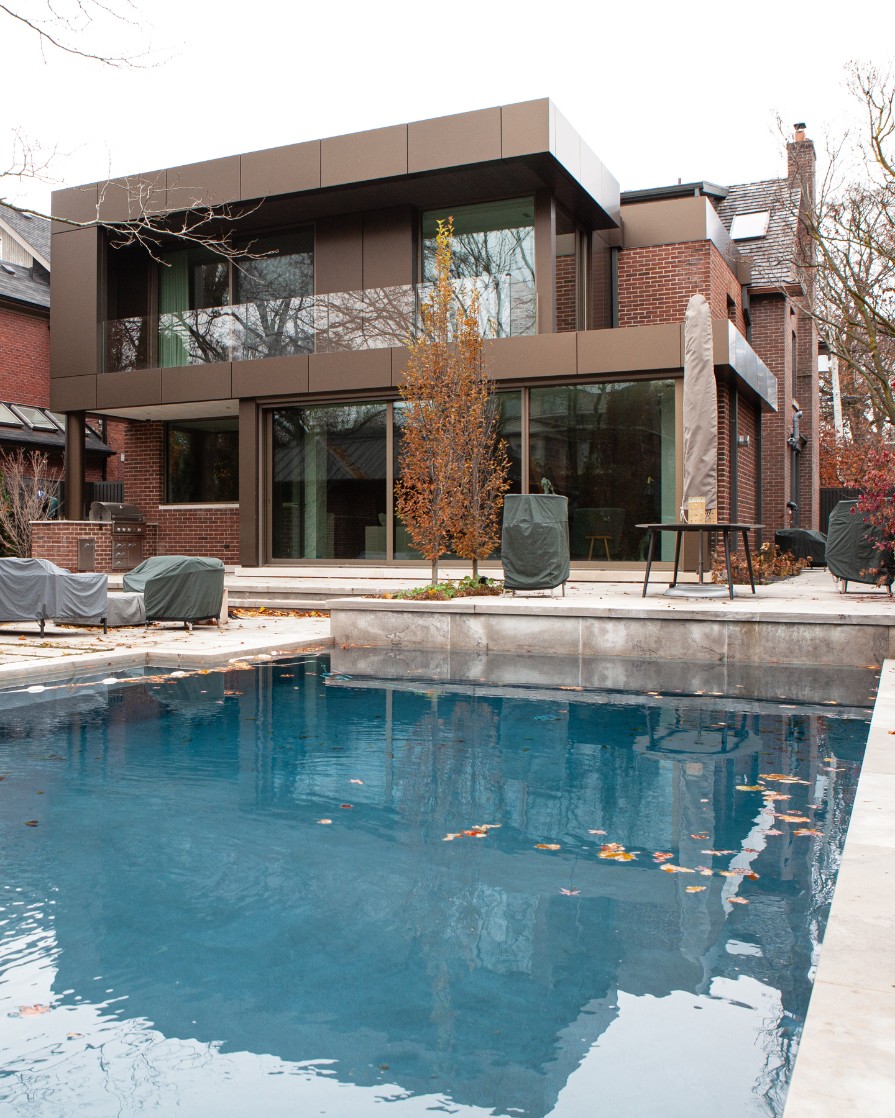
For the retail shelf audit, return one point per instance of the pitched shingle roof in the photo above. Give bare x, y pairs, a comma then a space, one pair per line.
34, 231
25, 285
773, 254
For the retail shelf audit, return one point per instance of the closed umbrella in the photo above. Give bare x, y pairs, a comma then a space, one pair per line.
700, 408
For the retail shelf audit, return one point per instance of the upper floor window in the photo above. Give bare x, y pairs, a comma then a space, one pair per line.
215, 309
494, 249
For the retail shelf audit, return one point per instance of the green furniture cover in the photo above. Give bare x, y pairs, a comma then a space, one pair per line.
179, 587
534, 545
852, 554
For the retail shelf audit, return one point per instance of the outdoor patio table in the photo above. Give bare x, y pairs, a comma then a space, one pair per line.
725, 528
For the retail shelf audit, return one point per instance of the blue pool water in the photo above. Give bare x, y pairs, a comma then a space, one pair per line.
250, 893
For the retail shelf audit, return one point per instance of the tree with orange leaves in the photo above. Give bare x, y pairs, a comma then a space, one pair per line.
453, 466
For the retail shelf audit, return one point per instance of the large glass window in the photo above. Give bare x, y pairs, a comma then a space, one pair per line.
203, 461
494, 249
609, 448
214, 309
329, 482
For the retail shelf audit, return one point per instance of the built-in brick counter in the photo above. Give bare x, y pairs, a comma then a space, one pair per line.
57, 540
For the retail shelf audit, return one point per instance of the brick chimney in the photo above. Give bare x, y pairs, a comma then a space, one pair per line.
801, 162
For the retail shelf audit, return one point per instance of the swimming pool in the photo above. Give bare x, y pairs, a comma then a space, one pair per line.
278, 891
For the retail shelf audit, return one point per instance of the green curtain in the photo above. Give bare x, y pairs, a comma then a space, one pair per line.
174, 305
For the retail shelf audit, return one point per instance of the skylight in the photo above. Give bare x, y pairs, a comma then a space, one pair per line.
34, 417
7, 418
746, 227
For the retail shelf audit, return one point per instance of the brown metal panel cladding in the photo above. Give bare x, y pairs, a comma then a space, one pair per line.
378, 154
272, 376
525, 128
73, 393
77, 204
281, 170
74, 286
74, 465
635, 349
452, 141
203, 184
565, 143
388, 259
121, 199
540, 355
129, 390
667, 222
545, 261
400, 357
339, 254
338, 372
249, 484
197, 382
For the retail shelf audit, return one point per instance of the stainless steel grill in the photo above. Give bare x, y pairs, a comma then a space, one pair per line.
128, 532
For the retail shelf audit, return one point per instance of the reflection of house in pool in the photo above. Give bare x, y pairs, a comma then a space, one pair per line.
371, 941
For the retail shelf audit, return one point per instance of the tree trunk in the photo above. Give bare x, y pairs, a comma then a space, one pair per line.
434, 571
475, 567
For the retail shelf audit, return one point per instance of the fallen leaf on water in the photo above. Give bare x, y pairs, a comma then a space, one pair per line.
806, 831
355, 781
33, 1010
447, 838
570, 688
475, 832
662, 855
737, 900
74, 1036
615, 852
750, 787
830, 703
776, 796
547, 846
324, 821
717, 853
751, 874
704, 870
782, 778
772, 831
31, 823
570, 892
596, 832
676, 869
703, 835
695, 888
794, 818
346, 807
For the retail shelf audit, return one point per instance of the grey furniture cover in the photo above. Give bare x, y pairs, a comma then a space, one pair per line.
851, 551
535, 541
803, 543
38, 590
121, 610
179, 587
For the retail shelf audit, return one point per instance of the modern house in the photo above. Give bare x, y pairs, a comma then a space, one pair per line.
262, 391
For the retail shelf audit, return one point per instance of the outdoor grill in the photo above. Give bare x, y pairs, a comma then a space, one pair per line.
128, 532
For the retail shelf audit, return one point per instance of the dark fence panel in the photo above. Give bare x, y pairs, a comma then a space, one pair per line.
830, 498
95, 491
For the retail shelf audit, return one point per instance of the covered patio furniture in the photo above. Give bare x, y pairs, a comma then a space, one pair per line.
185, 588
852, 551
38, 590
534, 545
803, 543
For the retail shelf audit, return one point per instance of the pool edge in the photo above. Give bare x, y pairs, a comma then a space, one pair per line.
846, 1059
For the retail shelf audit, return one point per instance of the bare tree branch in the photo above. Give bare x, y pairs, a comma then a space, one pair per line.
50, 31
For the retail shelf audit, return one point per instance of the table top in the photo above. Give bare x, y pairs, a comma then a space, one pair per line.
683, 526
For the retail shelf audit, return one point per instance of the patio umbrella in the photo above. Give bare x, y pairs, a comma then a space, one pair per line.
700, 406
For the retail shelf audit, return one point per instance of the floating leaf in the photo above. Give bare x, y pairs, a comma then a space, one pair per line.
571, 892
695, 889
737, 900
73, 1036
676, 869
751, 874
33, 1010
346, 807
750, 787
547, 846
662, 855
447, 838
354, 780
769, 796
806, 831
717, 853
701, 836
324, 821
782, 778
31, 823
704, 870
773, 831
596, 832
794, 818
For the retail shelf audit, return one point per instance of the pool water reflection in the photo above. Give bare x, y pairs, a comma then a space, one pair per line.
251, 892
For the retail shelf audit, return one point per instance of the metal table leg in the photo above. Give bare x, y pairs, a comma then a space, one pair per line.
677, 558
726, 534
649, 559
748, 560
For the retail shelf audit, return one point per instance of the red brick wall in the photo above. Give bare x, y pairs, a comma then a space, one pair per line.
143, 467
566, 294
24, 358
747, 463
655, 283
771, 341
57, 540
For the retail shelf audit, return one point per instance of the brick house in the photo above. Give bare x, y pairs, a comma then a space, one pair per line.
262, 396
25, 419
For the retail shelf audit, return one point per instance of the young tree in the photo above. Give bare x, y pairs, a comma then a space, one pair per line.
453, 466
28, 493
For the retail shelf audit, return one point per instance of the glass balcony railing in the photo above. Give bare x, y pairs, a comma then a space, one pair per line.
339, 322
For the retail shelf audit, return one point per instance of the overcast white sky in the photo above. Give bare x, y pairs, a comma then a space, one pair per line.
661, 91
